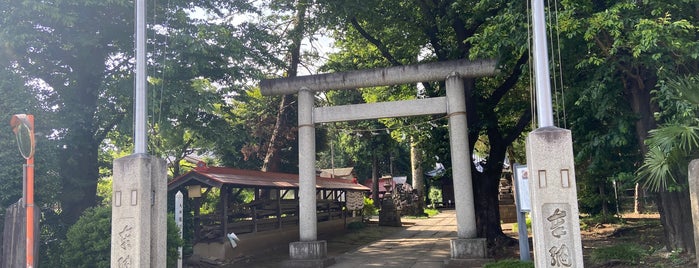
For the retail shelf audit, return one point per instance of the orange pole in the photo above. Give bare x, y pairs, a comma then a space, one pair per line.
30, 203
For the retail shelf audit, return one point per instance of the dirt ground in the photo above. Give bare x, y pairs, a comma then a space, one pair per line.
644, 230
641, 229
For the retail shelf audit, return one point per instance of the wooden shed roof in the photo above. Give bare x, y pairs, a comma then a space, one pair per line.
219, 176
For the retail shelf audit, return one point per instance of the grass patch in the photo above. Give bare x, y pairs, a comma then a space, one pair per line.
509, 264
624, 252
587, 222
431, 212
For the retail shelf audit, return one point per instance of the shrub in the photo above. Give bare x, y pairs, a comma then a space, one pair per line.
88, 241
435, 195
369, 209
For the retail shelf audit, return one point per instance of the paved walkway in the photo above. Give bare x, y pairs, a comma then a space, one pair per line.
423, 245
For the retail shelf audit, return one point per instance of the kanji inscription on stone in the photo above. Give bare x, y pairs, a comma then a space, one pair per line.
124, 243
557, 238
125, 261
125, 237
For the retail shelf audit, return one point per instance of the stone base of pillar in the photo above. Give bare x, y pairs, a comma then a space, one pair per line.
468, 252
308, 254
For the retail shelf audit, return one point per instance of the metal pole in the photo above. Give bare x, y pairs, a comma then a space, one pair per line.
544, 111
30, 203
140, 110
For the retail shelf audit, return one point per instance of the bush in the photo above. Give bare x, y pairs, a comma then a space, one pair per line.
88, 241
369, 209
435, 195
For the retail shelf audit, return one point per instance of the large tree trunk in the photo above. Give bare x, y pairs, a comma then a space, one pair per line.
485, 184
79, 165
486, 189
418, 176
272, 160
676, 218
673, 206
638, 90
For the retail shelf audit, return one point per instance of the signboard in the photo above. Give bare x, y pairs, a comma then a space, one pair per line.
521, 182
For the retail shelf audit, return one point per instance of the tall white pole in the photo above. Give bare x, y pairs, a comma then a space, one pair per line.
140, 110
544, 111
180, 223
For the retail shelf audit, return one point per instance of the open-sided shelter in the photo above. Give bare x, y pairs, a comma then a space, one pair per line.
274, 204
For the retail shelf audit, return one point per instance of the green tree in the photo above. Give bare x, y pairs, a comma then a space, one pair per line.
391, 33
636, 46
65, 47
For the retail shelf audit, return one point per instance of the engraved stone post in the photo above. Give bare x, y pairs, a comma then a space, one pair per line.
554, 203
138, 212
694, 200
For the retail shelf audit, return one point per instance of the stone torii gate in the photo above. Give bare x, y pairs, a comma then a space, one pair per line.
308, 252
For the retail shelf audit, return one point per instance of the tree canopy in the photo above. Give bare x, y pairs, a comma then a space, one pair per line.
621, 64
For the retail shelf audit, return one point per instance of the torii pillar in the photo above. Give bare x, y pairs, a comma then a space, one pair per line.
309, 252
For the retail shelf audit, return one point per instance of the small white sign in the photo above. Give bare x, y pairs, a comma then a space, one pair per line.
522, 188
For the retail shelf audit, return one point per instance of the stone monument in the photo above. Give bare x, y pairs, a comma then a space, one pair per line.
554, 204
139, 223
389, 214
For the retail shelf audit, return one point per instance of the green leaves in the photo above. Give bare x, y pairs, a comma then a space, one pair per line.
673, 145
670, 150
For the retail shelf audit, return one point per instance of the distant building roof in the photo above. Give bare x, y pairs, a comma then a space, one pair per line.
219, 176
382, 181
347, 172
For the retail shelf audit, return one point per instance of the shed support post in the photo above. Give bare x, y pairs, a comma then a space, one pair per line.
225, 201
279, 208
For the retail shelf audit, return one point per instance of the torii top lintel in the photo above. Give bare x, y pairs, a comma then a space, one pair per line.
425, 72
